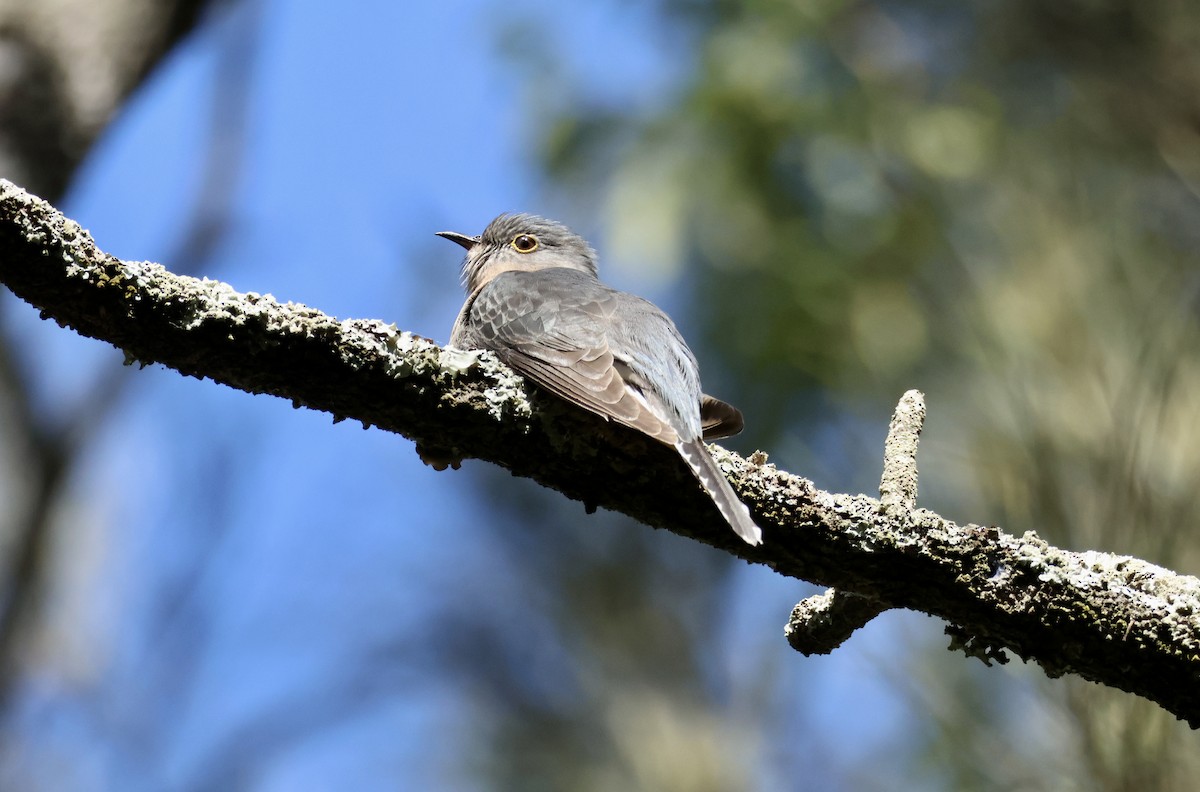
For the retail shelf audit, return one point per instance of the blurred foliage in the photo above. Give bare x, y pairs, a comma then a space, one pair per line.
994, 202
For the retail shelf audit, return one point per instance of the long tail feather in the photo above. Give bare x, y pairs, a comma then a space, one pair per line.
717, 487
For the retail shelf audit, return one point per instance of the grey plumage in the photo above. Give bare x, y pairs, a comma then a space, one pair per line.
533, 298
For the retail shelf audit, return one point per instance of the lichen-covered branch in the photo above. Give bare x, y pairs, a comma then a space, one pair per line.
1115, 620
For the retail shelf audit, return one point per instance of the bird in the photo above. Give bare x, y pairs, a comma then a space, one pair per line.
534, 299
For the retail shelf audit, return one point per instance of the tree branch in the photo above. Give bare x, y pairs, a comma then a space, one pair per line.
1111, 619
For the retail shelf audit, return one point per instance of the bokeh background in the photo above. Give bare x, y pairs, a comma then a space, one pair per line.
205, 590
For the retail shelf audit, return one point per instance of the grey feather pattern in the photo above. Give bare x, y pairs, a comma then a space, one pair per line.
564, 344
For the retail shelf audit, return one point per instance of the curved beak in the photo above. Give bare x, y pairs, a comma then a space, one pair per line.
466, 241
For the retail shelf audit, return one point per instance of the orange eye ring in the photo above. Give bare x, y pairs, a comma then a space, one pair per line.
525, 243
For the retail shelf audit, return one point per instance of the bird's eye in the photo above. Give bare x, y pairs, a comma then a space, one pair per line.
525, 243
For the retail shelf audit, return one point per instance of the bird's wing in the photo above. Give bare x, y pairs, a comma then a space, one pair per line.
554, 327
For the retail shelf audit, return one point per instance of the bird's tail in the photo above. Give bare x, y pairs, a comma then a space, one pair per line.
717, 487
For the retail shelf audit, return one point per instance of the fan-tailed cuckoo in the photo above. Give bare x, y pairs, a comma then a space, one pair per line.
533, 299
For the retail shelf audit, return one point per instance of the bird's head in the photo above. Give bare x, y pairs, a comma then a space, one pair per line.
522, 242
